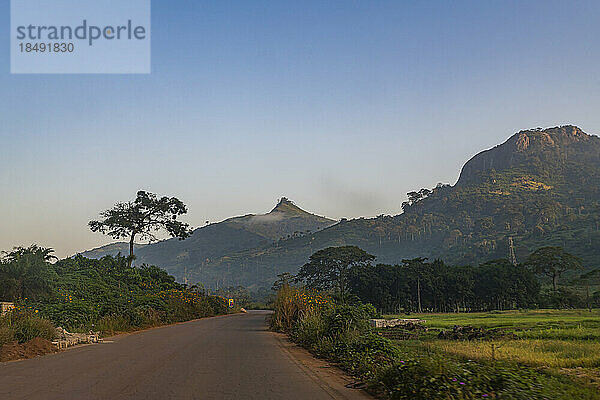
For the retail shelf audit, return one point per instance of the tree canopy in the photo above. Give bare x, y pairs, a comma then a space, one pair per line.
24, 273
419, 285
330, 268
142, 218
552, 262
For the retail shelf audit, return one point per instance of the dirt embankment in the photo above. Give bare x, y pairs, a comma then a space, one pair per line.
33, 348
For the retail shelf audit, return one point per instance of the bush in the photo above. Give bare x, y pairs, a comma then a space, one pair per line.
30, 328
88, 292
74, 315
22, 326
560, 299
436, 378
310, 327
416, 380
111, 324
218, 305
292, 304
346, 318
338, 332
7, 335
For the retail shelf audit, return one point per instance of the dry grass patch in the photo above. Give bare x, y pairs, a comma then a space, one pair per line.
533, 352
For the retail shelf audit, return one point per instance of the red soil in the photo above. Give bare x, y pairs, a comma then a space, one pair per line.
33, 348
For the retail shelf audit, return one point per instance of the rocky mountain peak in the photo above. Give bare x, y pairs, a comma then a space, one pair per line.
551, 137
287, 206
531, 149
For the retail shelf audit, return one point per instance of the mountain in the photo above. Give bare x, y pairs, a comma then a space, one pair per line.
541, 187
111, 249
539, 151
216, 240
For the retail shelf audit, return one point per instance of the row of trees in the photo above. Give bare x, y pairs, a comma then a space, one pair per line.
422, 285
418, 285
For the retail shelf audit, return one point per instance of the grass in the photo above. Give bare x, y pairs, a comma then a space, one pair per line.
536, 352
516, 320
23, 326
559, 340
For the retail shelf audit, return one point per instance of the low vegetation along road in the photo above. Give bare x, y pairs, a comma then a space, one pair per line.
230, 357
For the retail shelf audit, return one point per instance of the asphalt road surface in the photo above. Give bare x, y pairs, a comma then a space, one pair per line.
229, 357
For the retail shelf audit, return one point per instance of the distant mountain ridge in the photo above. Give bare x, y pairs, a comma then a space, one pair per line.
284, 221
111, 249
541, 187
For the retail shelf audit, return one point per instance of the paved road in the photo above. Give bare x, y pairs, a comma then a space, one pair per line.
230, 357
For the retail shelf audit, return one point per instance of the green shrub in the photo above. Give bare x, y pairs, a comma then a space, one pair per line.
342, 333
345, 318
416, 380
23, 325
32, 327
218, 305
324, 347
309, 329
7, 335
111, 324
75, 315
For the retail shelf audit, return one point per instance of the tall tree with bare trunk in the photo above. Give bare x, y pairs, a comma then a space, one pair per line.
142, 218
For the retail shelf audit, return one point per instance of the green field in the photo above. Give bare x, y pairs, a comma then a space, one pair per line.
564, 341
520, 322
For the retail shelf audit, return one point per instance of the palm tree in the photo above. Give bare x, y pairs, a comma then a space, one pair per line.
26, 273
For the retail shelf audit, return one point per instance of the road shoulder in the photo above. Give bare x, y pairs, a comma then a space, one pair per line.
327, 375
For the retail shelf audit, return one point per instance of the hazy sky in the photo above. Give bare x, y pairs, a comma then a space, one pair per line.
341, 106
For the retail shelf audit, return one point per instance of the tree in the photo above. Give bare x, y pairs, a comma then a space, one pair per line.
419, 268
26, 273
384, 286
330, 268
424, 193
282, 279
144, 216
552, 262
500, 284
588, 280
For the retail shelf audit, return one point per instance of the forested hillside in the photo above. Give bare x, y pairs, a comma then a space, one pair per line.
540, 188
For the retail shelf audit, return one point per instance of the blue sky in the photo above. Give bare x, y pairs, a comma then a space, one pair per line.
341, 106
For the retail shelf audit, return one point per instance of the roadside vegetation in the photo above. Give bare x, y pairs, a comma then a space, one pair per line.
106, 295
409, 370
527, 354
24, 334
21, 326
